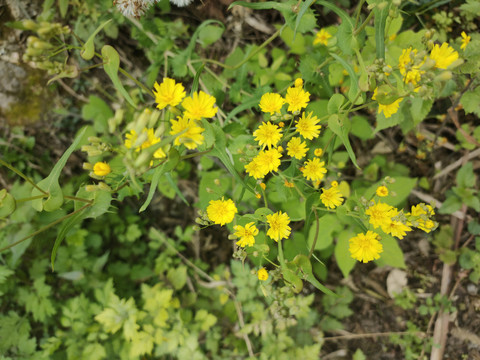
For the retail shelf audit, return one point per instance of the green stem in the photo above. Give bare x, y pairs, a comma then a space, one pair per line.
30, 198
281, 258
139, 84
365, 23
44, 228
270, 261
19, 173
359, 10
195, 154
317, 229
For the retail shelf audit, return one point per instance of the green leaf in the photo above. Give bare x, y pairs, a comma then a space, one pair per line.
379, 25
169, 165
335, 103
402, 187
63, 6
88, 49
328, 225
50, 184
177, 277
451, 204
344, 260
303, 263
420, 109
290, 277
111, 64
305, 21
466, 178
471, 101
361, 128
340, 126
354, 90
7, 203
219, 151
392, 255
210, 33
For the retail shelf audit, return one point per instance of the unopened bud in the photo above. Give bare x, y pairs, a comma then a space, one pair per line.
87, 166
196, 228
102, 186
444, 76
91, 188
29, 24
94, 140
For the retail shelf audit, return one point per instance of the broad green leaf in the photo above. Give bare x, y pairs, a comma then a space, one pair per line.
177, 277
392, 255
361, 128
335, 103
88, 49
7, 203
466, 178
327, 225
343, 257
210, 33
451, 204
111, 64
50, 184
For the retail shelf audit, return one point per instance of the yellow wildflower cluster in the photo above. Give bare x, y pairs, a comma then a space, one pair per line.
186, 127
367, 247
414, 65
284, 125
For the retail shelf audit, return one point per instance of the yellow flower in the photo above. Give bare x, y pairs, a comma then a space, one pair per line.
168, 93
288, 184
151, 139
279, 228
130, 139
421, 214
199, 106
387, 109
396, 227
262, 274
269, 160
271, 103
254, 169
297, 148
406, 59
221, 212
380, 214
191, 134
246, 234
296, 98
382, 191
444, 56
318, 152
298, 82
314, 169
365, 247
308, 126
267, 134
465, 40
263, 186
331, 198
101, 169
322, 37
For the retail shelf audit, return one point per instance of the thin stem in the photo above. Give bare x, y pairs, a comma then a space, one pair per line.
317, 229
19, 173
281, 258
365, 23
45, 228
30, 198
359, 10
139, 84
